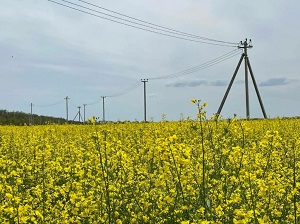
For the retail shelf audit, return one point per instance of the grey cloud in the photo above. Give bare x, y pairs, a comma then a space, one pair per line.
276, 82
187, 83
84, 57
195, 83
219, 83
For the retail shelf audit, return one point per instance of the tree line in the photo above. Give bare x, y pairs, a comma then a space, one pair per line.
21, 118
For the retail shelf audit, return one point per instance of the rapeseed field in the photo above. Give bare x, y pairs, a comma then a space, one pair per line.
193, 171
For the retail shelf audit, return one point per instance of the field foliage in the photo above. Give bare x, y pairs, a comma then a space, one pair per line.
228, 171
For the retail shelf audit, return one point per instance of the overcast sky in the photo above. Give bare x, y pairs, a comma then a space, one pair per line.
48, 52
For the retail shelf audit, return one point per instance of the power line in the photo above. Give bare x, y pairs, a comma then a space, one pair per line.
201, 66
155, 25
72, 104
182, 73
174, 75
49, 105
93, 103
127, 90
165, 32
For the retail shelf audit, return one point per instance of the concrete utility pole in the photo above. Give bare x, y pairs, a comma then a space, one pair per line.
145, 109
78, 114
67, 110
245, 45
84, 112
103, 108
31, 117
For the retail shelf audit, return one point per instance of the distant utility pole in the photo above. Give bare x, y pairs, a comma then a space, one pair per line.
67, 110
103, 108
84, 112
78, 114
145, 109
31, 117
244, 45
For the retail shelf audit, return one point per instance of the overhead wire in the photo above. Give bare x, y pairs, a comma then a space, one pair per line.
201, 66
72, 104
134, 86
127, 90
165, 31
182, 73
155, 25
49, 105
151, 27
93, 103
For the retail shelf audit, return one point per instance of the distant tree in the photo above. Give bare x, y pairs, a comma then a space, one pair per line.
21, 118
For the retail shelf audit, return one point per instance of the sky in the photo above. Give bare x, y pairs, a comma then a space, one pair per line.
49, 52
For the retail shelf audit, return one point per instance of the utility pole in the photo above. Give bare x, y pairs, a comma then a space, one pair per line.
67, 111
78, 114
145, 113
84, 112
244, 45
103, 109
31, 117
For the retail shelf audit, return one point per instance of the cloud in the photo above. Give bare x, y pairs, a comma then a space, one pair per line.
276, 82
84, 57
219, 83
195, 83
187, 83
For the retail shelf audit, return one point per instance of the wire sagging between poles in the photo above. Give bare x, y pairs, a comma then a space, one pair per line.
140, 24
201, 66
127, 90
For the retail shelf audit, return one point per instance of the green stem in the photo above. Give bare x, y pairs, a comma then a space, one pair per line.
105, 178
252, 201
203, 162
107, 182
294, 183
179, 182
43, 185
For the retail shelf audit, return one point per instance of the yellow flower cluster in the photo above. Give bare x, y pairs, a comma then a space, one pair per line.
151, 172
